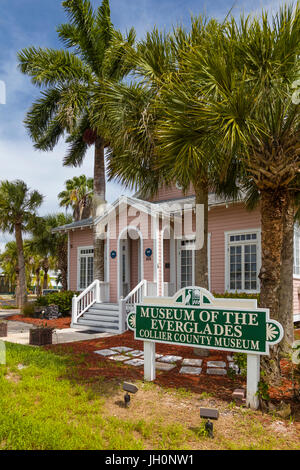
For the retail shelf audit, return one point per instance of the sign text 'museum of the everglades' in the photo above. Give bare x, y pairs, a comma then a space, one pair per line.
205, 327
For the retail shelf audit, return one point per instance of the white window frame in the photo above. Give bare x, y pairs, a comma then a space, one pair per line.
227, 257
79, 256
192, 248
296, 242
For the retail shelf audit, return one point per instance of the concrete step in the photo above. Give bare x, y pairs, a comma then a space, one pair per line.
100, 311
98, 317
103, 306
105, 326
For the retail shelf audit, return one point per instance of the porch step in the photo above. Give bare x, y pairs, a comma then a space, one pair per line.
104, 306
96, 316
103, 326
104, 311
102, 317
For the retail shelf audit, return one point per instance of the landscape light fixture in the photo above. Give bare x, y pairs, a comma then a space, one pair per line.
208, 414
128, 388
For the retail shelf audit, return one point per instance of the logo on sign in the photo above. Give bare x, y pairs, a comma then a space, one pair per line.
148, 252
113, 254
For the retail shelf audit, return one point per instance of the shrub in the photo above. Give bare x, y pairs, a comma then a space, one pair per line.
28, 310
62, 299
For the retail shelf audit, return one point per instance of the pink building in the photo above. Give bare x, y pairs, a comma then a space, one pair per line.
149, 250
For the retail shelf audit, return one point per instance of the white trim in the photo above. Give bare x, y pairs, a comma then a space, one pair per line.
172, 257
119, 274
91, 247
227, 243
107, 264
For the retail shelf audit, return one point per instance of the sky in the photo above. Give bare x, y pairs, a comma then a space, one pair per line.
25, 23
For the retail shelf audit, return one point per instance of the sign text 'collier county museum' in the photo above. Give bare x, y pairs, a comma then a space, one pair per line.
193, 317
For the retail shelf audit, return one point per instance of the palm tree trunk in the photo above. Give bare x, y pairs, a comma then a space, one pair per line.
98, 207
45, 269
22, 297
286, 278
201, 255
273, 204
38, 287
63, 264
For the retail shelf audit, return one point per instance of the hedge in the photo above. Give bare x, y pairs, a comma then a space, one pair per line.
62, 299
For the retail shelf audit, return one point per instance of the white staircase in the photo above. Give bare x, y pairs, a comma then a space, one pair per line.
101, 317
92, 310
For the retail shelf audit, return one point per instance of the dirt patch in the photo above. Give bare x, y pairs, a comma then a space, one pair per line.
12, 377
59, 323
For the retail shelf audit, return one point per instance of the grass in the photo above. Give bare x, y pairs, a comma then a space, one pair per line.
45, 406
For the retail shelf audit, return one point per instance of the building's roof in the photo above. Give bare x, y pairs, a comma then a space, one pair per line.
166, 208
75, 225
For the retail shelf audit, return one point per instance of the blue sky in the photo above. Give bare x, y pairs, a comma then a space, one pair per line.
33, 22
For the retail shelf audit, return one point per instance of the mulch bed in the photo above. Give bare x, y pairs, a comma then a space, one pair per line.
219, 386
59, 323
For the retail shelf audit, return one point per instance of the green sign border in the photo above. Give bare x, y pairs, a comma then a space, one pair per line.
272, 326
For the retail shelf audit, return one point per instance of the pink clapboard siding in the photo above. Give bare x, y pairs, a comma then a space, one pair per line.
167, 193
221, 220
78, 238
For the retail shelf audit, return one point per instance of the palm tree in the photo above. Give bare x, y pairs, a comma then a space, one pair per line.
153, 137
78, 195
18, 214
246, 102
9, 264
52, 247
94, 51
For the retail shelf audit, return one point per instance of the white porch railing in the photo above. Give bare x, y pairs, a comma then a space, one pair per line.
169, 289
136, 296
98, 291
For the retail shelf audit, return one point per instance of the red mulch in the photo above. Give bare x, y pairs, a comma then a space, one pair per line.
219, 386
59, 323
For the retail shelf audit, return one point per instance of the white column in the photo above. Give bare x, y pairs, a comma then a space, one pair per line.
253, 377
149, 361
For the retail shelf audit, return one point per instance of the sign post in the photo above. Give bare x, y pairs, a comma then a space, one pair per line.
193, 317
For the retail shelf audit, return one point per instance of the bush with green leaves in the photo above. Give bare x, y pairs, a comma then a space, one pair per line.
62, 299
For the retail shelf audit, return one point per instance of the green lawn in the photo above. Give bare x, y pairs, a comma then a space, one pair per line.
45, 406
40, 409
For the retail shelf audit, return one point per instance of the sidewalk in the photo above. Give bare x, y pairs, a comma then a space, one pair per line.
18, 332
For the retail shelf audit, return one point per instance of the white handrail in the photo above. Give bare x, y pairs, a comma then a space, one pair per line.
84, 301
137, 294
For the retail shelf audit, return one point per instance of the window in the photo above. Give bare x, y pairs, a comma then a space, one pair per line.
187, 263
243, 261
297, 251
86, 267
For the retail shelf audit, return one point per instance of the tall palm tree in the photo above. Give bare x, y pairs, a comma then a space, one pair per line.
51, 247
246, 102
153, 137
18, 214
95, 51
78, 195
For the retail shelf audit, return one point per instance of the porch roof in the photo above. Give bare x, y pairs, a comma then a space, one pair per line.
160, 208
79, 224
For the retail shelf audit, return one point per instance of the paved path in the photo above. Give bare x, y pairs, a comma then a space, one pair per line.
18, 332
